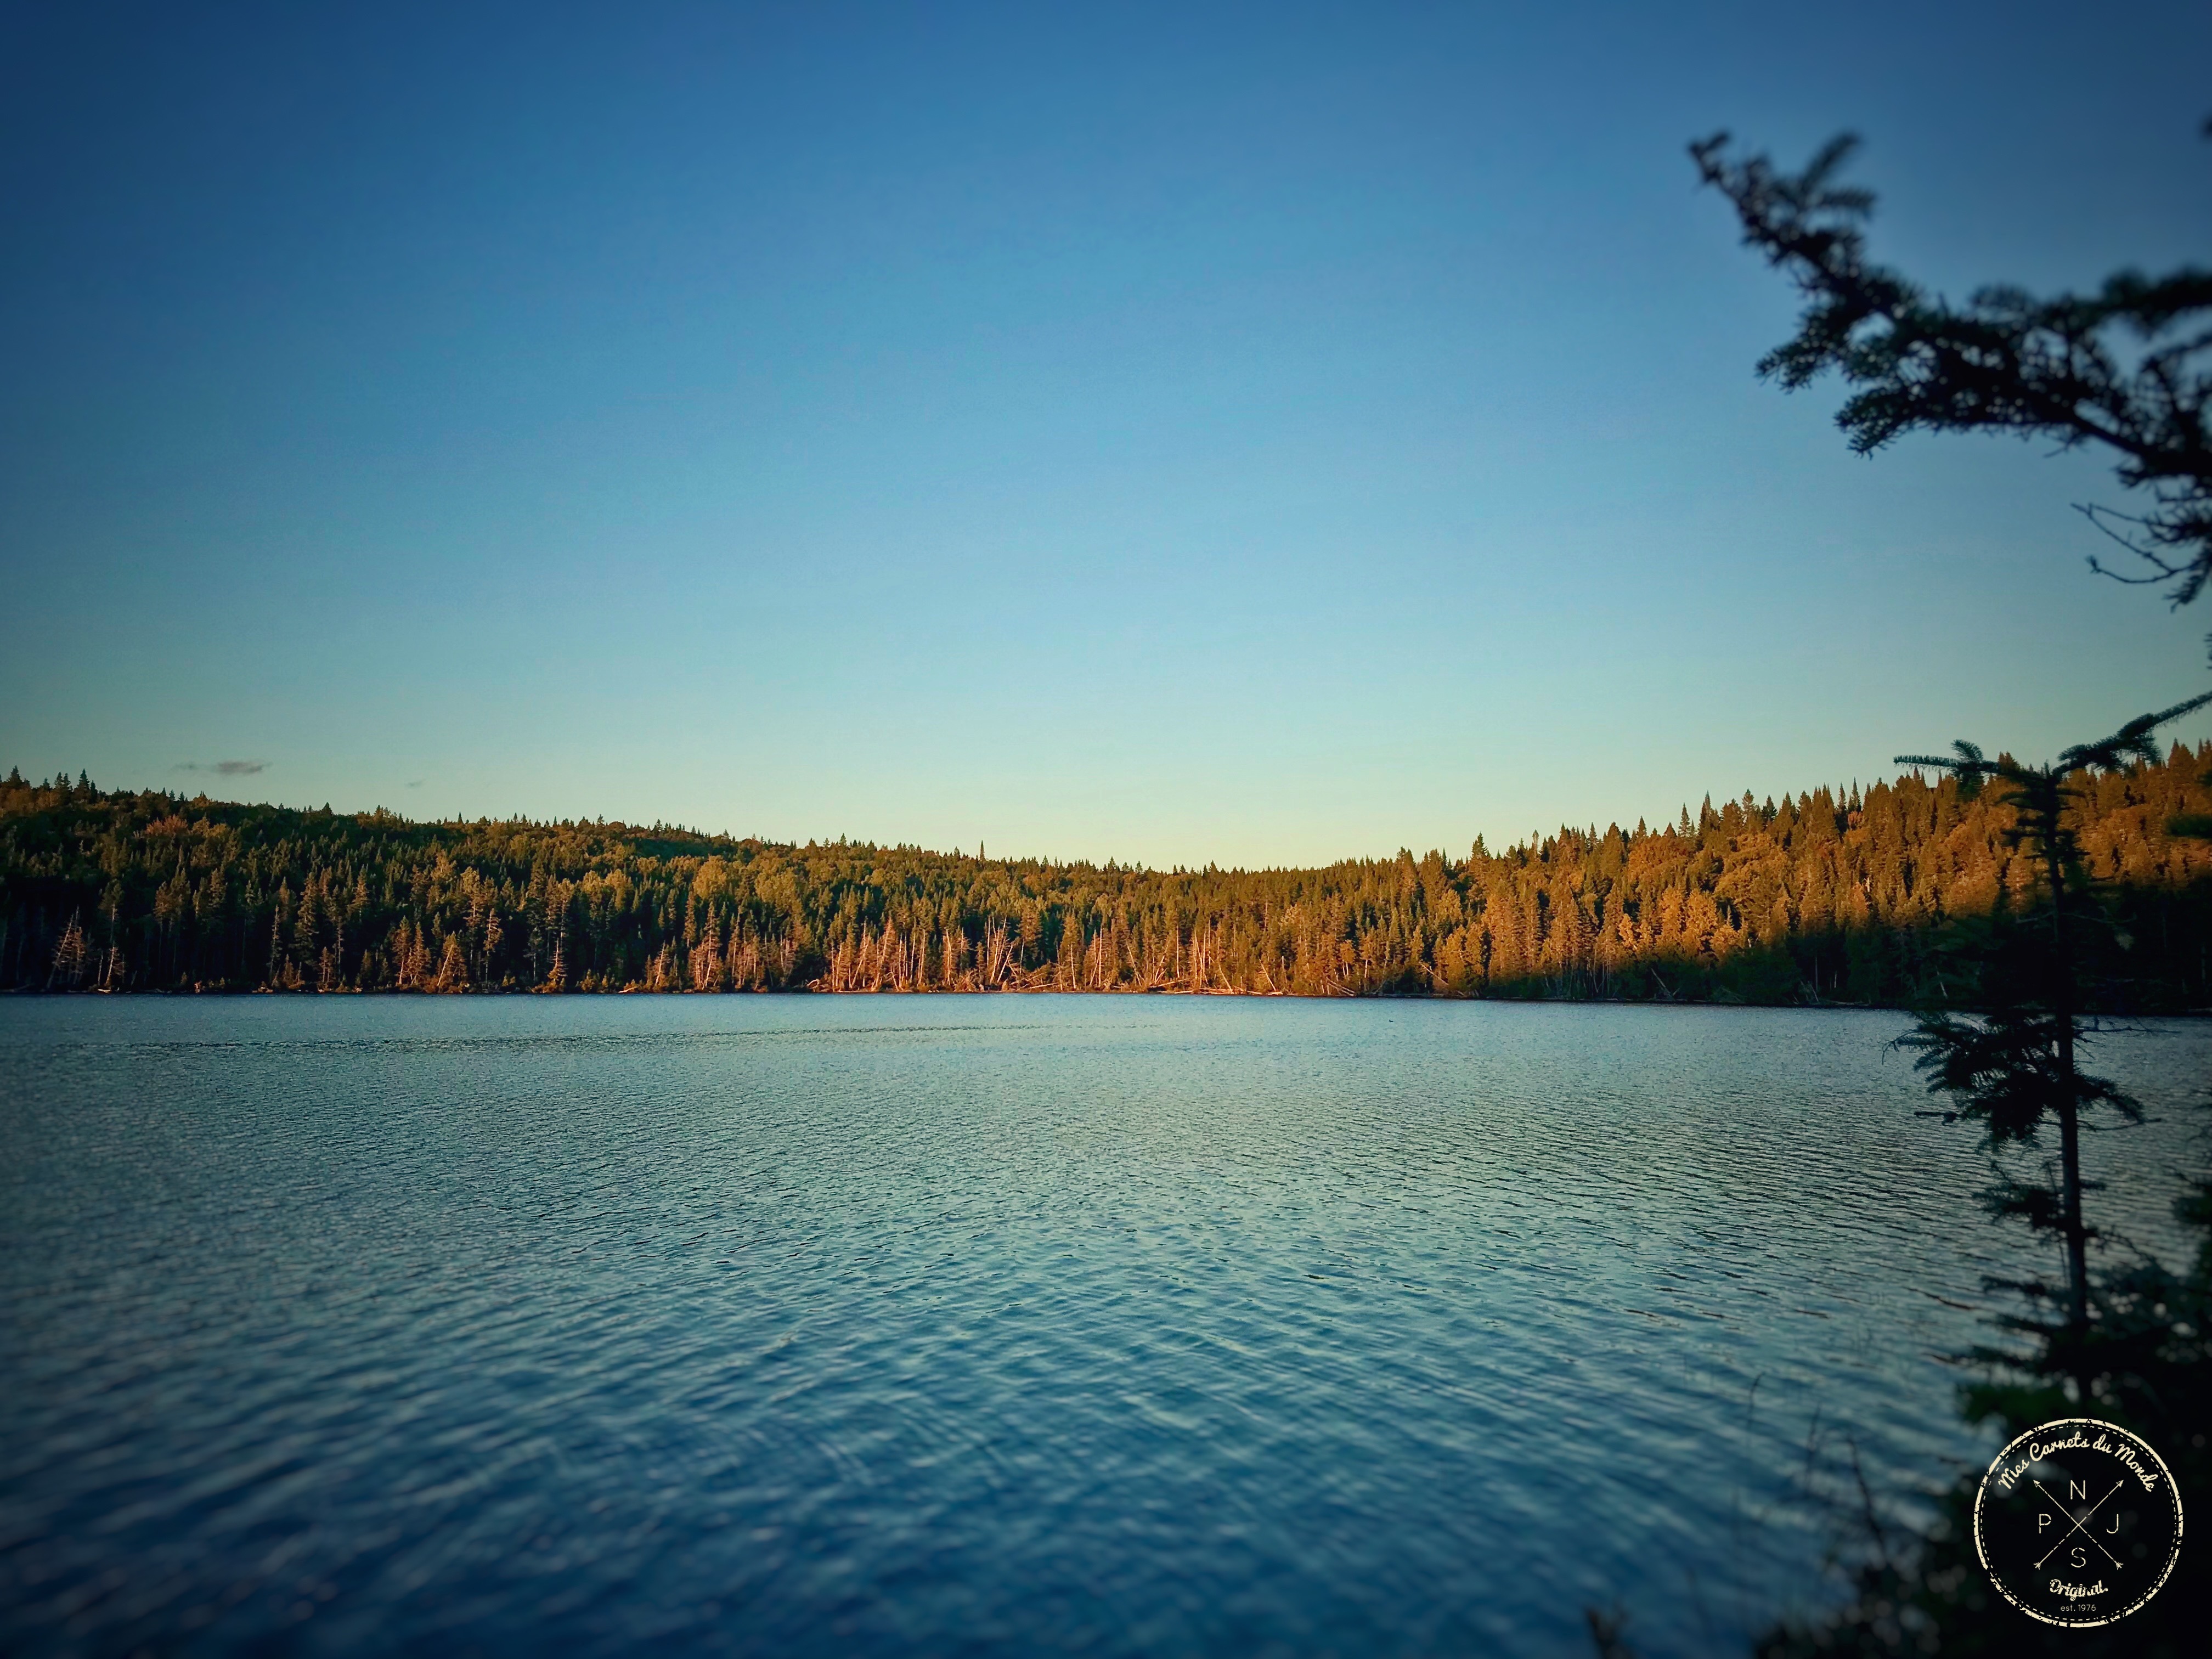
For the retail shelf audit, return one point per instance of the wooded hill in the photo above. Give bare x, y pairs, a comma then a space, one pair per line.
1825, 898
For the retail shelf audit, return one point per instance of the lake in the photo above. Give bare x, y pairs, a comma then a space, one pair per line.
968, 1325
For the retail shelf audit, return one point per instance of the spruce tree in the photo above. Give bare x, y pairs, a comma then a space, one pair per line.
2014, 1068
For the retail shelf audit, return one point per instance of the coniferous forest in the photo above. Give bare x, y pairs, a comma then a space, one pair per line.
1843, 898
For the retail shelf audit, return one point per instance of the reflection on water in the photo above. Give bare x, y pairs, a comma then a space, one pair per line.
809, 1325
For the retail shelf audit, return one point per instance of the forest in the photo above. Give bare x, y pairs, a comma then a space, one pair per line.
1869, 898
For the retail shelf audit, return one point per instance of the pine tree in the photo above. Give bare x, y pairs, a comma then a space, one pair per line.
2014, 1070
72, 955
453, 967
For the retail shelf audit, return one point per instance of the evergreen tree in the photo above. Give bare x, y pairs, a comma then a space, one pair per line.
2013, 1069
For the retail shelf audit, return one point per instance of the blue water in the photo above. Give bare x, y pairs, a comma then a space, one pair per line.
967, 1325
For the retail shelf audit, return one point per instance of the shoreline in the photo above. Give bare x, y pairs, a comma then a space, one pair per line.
305, 993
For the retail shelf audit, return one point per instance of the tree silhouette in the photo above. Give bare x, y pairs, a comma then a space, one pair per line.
2133, 1346
2013, 1069
2127, 369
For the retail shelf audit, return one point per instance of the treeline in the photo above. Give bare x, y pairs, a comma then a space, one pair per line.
1828, 898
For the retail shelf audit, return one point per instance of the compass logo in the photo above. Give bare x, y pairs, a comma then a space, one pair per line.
2078, 1522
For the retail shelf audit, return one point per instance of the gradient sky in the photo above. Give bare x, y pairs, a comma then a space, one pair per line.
1259, 435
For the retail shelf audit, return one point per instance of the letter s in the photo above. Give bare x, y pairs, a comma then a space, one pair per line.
2079, 1559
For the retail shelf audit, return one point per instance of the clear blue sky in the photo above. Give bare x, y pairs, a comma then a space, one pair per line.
1181, 434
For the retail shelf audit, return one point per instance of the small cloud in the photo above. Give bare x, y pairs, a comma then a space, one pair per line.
229, 768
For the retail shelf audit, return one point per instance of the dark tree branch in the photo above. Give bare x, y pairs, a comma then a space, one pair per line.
2056, 368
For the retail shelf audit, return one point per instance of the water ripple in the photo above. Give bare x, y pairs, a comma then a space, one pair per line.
785, 1325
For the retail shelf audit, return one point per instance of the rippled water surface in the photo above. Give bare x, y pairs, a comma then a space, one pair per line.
963, 1325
